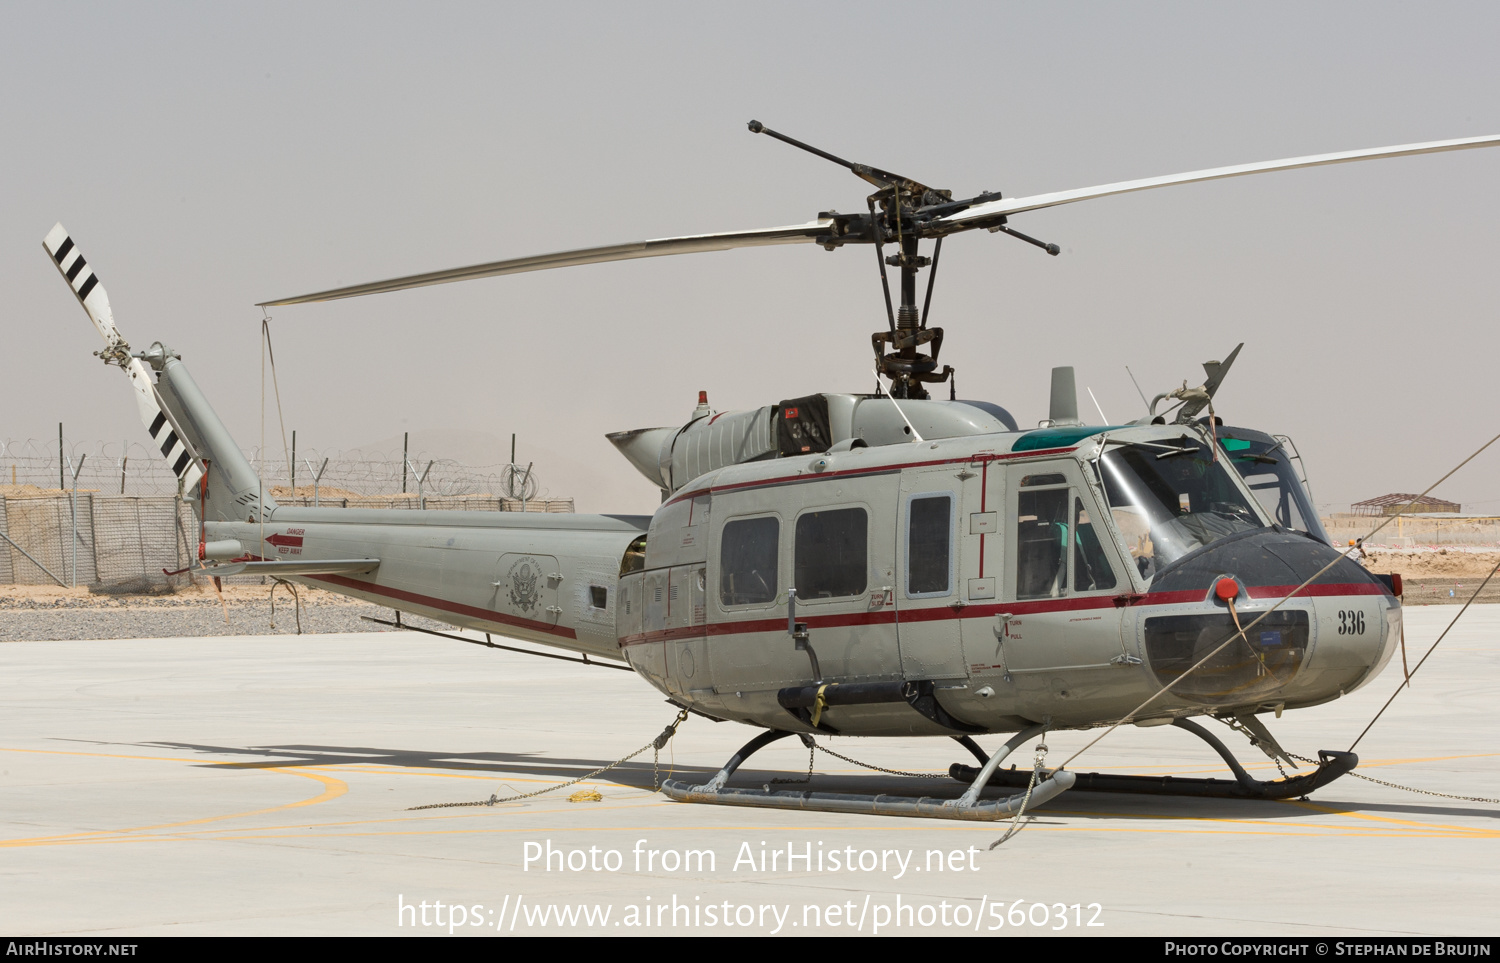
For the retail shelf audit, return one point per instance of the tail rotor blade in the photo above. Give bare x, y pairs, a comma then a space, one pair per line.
84, 283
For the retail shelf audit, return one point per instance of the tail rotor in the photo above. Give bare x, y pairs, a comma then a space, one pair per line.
84, 283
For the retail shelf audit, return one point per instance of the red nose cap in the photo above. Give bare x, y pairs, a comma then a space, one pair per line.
1226, 589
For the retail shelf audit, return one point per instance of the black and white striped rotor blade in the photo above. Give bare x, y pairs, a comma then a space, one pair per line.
84, 283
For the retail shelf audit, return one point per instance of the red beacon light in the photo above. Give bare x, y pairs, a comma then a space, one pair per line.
1227, 589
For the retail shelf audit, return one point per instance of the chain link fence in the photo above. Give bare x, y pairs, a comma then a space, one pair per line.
110, 513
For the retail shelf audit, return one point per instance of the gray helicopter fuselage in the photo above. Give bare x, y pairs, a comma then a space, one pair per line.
979, 582
920, 563
990, 577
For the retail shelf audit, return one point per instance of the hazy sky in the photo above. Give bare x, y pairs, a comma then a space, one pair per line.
208, 156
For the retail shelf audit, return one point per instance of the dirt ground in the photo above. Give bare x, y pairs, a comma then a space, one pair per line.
1440, 564
40, 612
53, 596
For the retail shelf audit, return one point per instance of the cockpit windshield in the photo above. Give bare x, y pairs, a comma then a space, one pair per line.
1265, 462
1170, 497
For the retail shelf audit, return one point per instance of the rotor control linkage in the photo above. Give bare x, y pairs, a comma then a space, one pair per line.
1051, 249
874, 175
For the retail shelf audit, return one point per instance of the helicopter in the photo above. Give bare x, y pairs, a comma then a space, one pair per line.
869, 564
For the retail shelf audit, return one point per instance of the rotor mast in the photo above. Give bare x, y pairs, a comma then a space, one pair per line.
902, 212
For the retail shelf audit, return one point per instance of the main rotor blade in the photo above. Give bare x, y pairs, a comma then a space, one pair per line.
690, 244
1016, 205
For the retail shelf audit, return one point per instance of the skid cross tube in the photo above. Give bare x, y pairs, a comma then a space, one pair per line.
971, 795
967, 808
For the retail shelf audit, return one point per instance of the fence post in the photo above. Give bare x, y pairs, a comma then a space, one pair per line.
317, 479
74, 501
179, 540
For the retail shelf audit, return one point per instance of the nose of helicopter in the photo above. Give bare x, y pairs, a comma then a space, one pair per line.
1315, 645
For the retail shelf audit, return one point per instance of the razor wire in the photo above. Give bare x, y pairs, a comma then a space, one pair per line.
135, 468
131, 524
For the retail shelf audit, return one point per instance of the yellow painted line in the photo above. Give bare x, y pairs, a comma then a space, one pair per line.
332, 789
1435, 827
1402, 762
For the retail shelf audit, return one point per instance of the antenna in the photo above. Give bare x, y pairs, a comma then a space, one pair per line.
1138, 389
1102, 415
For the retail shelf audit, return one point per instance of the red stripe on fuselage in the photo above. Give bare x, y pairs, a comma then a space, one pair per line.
457, 608
938, 613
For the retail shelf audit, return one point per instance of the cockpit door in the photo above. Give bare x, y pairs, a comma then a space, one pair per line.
1063, 573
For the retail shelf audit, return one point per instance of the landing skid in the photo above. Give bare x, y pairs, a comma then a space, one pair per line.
1331, 765
968, 806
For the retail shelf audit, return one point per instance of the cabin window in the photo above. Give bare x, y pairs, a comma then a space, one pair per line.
1091, 570
929, 545
747, 561
831, 553
1041, 544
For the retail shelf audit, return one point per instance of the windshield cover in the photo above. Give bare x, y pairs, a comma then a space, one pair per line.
1170, 497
